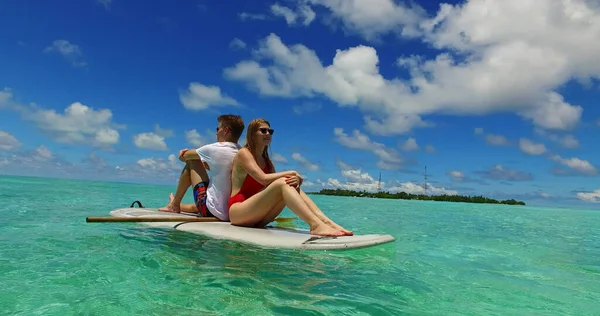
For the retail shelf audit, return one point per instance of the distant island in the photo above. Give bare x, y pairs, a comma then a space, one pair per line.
422, 197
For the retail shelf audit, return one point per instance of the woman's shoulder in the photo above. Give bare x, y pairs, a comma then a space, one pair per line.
243, 152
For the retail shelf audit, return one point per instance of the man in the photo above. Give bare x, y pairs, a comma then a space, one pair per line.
210, 197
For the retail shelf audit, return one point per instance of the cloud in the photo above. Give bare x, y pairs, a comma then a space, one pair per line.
105, 3
460, 176
357, 180
354, 175
79, 124
43, 152
430, 149
195, 139
36, 162
575, 166
592, 197
415, 188
474, 73
163, 132
410, 145
237, 43
159, 164
95, 161
149, 141
499, 172
303, 14
244, 16
492, 139
306, 107
201, 97
153, 140
496, 140
69, 51
388, 158
531, 148
457, 175
6, 95
8, 141
567, 141
371, 19
305, 163
279, 158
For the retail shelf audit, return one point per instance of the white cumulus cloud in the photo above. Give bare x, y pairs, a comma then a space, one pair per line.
529, 147
576, 165
593, 197
302, 14
8, 141
388, 158
69, 51
201, 97
305, 163
483, 45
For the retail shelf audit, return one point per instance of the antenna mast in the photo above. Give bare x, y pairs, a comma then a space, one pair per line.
425, 181
379, 183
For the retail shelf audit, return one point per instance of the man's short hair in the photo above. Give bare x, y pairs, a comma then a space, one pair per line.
235, 123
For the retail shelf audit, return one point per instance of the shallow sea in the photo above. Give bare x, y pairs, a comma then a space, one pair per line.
448, 259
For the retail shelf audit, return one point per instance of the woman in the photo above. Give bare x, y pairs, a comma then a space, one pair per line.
259, 194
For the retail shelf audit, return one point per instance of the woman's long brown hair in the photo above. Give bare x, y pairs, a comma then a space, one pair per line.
251, 133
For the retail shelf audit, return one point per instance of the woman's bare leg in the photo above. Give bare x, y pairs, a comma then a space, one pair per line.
315, 209
256, 208
273, 213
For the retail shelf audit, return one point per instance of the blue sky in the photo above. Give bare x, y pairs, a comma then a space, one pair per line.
498, 99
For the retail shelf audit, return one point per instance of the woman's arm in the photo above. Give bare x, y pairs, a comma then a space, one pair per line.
247, 161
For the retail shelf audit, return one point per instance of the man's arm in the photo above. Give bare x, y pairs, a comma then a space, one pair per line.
186, 154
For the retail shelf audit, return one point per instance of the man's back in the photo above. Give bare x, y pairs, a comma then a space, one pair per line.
219, 157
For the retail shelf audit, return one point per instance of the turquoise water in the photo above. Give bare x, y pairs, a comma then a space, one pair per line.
448, 259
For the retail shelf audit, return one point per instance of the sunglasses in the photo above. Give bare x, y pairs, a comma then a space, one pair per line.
264, 130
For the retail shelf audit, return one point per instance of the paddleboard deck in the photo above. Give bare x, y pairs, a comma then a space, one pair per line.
275, 237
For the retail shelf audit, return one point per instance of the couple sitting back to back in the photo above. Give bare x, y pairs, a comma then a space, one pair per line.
244, 187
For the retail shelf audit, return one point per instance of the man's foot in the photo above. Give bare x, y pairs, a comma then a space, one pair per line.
326, 230
170, 207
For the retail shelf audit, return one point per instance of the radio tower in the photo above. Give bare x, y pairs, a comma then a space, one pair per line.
425, 181
379, 184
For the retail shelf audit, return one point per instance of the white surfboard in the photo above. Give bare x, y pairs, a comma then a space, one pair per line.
276, 237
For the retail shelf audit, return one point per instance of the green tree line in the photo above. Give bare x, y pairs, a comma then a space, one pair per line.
423, 197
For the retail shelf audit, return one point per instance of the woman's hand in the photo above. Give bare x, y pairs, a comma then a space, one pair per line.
292, 181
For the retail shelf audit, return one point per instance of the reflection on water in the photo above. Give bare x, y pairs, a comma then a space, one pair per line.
282, 281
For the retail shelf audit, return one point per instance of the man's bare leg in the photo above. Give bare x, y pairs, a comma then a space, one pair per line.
186, 208
317, 211
193, 172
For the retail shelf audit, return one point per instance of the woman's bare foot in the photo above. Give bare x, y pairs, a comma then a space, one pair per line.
325, 230
170, 207
338, 227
